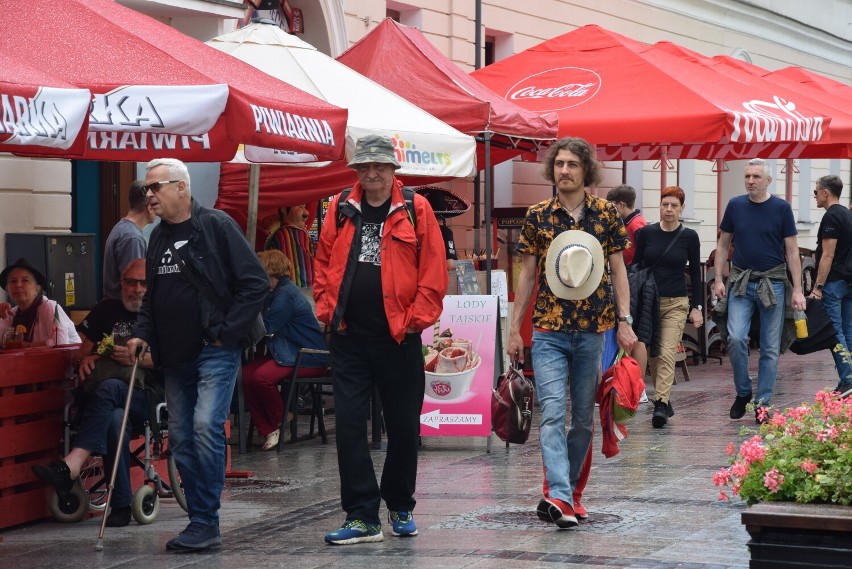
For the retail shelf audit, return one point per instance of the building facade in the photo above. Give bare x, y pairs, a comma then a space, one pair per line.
56, 195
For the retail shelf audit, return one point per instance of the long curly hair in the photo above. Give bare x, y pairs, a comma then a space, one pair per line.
592, 169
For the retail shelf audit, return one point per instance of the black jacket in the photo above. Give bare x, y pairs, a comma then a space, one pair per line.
221, 257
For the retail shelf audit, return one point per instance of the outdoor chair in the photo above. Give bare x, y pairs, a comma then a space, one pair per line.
315, 378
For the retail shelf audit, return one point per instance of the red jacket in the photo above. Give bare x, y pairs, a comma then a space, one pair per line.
414, 270
622, 380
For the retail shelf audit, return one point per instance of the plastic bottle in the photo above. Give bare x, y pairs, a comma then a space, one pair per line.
801, 324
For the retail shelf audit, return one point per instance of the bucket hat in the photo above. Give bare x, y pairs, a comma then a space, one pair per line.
374, 148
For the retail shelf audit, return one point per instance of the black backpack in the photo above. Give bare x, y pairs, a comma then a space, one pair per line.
407, 195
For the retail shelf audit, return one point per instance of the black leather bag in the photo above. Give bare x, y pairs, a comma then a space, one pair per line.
512, 406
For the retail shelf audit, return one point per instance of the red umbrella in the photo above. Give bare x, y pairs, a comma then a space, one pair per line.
821, 82
839, 144
638, 103
40, 113
404, 61
159, 92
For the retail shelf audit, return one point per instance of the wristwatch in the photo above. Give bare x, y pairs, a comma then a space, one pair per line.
818, 286
628, 319
698, 306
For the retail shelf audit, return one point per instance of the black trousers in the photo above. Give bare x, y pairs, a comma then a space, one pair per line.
359, 363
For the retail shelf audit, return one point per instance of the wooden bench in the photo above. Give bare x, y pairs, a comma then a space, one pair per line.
33, 384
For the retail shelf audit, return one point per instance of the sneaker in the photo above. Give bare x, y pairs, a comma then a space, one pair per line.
118, 517
355, 531
761, 415
579, 511
402, 523
661, 414
557, 512
843, 389
738, 409
644, 398
196, 537
56, 474
669, 409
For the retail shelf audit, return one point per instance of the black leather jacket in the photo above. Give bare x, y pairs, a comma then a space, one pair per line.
222, 258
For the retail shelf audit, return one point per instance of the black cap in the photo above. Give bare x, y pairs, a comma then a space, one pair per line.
22, 264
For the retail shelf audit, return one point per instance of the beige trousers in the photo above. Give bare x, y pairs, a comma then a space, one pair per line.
673, 313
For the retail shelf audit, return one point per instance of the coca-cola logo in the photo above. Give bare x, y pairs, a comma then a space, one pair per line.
555, 89
441, 388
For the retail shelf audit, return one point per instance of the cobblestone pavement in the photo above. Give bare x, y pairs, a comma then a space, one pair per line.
652, 506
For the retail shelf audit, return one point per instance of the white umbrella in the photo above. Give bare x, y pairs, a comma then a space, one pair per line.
426, 145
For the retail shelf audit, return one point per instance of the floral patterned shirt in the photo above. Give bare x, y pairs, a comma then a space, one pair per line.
543, 222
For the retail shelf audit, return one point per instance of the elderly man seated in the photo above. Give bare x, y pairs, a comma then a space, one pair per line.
105, 370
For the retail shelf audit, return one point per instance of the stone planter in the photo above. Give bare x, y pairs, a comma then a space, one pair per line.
786, 535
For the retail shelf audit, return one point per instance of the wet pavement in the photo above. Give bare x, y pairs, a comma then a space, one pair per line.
651, 506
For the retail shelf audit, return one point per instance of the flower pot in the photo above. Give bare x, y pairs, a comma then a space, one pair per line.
785, 535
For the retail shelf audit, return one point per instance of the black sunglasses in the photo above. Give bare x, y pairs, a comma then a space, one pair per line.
154, 187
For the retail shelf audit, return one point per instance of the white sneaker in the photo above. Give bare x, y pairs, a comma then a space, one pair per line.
644, 398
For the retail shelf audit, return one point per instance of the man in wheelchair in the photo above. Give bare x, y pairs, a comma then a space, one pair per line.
104, 373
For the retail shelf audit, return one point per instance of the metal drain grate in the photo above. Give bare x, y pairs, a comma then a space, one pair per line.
526, 518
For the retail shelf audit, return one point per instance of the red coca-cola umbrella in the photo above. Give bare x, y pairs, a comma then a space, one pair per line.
839, 142
40, 113
815, 80
158, 92
637, 103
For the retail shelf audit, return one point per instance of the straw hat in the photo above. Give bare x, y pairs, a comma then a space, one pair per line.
574, 265
445, 203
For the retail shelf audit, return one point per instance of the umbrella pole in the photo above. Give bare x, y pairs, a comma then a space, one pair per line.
253, 193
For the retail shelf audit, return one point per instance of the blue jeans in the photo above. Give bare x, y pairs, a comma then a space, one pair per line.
198, 395
740, 310
100, 426
837, 299
565, 363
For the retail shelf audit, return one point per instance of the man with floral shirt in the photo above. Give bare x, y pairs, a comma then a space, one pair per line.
574, 307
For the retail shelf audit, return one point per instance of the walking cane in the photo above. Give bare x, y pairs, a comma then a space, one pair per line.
99, 545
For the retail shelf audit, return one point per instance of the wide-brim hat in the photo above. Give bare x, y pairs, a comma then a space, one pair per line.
374, 148
445, 203
22, 264
574, 265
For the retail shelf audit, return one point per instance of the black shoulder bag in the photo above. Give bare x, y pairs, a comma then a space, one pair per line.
257, 331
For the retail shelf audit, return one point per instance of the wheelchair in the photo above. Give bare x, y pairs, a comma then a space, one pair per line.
89, 492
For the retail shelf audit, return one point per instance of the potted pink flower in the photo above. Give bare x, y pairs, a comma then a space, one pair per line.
801, 457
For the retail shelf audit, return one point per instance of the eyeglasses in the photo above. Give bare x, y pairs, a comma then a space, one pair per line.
816, 192
154, 187
135, 282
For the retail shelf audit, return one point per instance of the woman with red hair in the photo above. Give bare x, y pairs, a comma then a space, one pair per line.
652, 241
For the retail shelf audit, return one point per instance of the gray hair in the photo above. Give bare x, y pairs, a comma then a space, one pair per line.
177, 169
760, 162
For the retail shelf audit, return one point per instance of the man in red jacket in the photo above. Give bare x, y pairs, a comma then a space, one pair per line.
380, 280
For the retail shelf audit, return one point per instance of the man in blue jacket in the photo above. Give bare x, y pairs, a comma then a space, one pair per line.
195, 332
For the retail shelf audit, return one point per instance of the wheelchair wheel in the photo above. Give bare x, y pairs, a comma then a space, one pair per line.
69, 507
93, 479
176, 484
145, 505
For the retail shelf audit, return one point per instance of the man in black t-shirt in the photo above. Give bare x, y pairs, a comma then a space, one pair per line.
205, 290
104, 374
834, 239
380, 281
